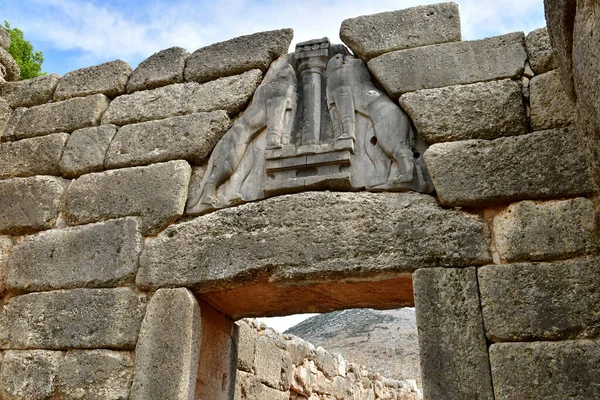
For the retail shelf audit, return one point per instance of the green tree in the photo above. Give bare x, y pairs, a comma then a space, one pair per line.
28, 60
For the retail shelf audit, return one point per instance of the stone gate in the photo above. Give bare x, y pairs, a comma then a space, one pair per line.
143, 212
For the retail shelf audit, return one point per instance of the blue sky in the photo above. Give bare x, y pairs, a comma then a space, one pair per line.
79, 33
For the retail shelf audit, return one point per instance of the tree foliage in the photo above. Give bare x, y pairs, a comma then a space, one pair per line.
29, 61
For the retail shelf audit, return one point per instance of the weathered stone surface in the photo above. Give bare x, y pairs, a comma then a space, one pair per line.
560, 20
450, 64
104, 254
216, 364
246, 346
109, 79
237, 55
586, 62
190, 137
230, 94
160, 69
30, 92
370, 36
29, 204
250, 387
539, 165
546, 370
6, 244
326, 362
551, 106
273, 366
529, 231
166, 362
545, 301
485, 110
95, 375
63, 116
539, 50
4, 38
327, 237
85, 150
73, 319
8, 135
27, 375
5, 115
11, 68
454, 356
157, 193
29, 157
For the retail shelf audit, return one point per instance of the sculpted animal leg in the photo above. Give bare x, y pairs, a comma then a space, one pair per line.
344, 101
276, 109
229, 152
393, 132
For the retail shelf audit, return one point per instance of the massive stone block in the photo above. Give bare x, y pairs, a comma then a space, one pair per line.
539, 50
190, 137
29, 374
6, 244
160, 69
230, 94
543, 231
35, 156
450, 64
8, 134
273, 365
4, 38
586, 63
157, 193
63, 116
246, 346
546, 370
370, 36
329, 236
551, 106
237, 55
85, 150
104, 254
166, 362
12, 72
109, 78
73, 319
545, 301
485, 110
218, 351
95, 375
560, 19
539, 165
454, 355
5, 116
249, 387
30, 92
29, 204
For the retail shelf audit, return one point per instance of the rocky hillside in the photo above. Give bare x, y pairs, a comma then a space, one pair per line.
383, 341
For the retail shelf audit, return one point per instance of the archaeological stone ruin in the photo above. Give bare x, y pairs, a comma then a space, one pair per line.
146, 214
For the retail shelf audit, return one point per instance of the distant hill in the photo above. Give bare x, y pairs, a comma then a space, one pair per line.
384, 341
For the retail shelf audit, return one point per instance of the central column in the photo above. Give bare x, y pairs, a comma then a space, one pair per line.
312, 59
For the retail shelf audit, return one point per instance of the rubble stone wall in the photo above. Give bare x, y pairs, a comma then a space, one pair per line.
104, 279
274, 366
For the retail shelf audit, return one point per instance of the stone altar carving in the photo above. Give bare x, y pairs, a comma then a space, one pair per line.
316, 122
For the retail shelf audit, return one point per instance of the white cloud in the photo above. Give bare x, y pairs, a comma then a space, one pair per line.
132, 31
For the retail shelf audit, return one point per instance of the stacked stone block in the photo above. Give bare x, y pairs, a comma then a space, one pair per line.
273, 366
502, 130
95, 168
90, 164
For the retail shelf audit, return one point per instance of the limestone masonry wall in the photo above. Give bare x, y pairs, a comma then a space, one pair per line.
273, 366
112, 286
